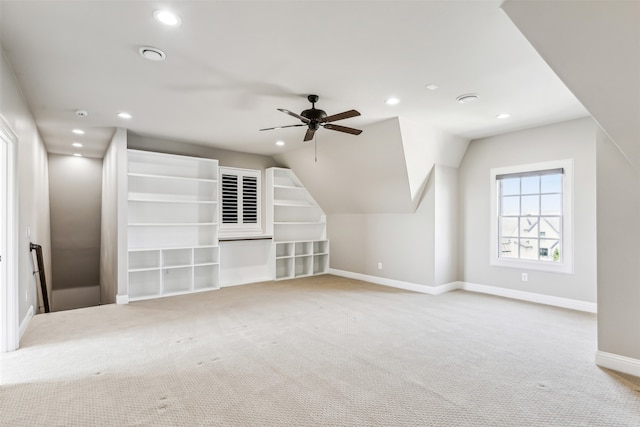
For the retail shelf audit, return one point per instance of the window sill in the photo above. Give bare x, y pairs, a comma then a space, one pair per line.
532, 265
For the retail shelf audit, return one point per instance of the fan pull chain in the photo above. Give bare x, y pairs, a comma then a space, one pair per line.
315, 146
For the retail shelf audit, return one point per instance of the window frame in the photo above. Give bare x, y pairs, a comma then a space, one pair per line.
240, 228
566, 265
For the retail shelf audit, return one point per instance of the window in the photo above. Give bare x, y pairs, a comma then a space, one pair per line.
531, 224
240, 200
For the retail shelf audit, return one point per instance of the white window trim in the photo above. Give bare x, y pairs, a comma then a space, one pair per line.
240, 230
567, 264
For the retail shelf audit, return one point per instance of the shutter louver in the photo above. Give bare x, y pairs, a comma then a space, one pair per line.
229, 199
249, 200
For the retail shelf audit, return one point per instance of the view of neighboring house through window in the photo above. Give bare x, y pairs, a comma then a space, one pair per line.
530, 215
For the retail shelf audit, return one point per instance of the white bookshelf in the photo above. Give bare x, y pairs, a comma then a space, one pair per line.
298, 226
172, 225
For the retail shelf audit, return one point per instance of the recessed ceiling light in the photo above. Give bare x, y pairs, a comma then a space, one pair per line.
77, 144
166, 17
503, 116
77, 154
152, 53
467, 98
392, 101
78, 131
432, 86
124, 115
280, 143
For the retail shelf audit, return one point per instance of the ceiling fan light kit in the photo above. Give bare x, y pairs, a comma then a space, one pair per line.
314, 118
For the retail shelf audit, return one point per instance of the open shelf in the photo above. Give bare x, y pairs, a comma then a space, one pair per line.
298, 225
172, 224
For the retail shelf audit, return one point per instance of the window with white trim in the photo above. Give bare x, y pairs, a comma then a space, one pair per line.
239, 200
532, 219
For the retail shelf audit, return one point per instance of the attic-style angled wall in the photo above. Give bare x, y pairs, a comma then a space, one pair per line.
355, 174
593, 47
383, 192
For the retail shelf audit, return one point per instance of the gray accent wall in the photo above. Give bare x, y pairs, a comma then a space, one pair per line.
569, 140
75, 188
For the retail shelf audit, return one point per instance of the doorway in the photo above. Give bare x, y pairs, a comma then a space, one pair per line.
9, 335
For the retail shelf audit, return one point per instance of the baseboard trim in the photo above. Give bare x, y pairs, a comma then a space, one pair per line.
424, 289
25, 322
572, 304
618, 363
122, 299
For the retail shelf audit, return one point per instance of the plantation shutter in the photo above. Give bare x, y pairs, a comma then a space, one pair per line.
249, 200
240, 200
229, 199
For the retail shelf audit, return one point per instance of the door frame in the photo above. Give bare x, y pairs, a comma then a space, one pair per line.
9, 308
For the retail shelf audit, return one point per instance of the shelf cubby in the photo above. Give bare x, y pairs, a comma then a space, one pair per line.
284, 249
321, 247
177, 257
144, 260
303, 266
284, 268
320, 264
144, 284
206, 255
177, 280
205, 277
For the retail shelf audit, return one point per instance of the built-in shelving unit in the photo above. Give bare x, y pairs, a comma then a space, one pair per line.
172, 225
298, 225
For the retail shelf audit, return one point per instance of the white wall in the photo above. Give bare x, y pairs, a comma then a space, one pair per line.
569, 140
33, 188
113, 243
403, 243
75, 190
618, 251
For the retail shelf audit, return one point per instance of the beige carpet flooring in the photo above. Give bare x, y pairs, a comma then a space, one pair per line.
321, 351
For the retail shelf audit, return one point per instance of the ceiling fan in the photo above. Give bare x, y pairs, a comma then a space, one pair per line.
314, 118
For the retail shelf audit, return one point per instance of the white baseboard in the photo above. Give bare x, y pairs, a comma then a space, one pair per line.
572, 304
618, 363
122, 299
25, 321
589, 307
431, 290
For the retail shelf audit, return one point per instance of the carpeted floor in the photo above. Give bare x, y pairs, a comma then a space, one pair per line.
321, 351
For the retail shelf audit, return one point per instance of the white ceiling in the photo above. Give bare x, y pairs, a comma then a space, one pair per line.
232, 63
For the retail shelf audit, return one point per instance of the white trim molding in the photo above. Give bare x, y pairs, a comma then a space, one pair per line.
122, 299
9, 305
618, 363
25, 322
589, 307
424, 289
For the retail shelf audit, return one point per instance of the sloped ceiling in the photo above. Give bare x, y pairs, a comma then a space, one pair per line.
386, 172
594, 47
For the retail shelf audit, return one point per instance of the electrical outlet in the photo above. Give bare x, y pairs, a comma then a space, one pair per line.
525, 277
379, 266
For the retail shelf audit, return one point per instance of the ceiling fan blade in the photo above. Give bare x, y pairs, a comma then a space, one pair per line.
297, 116
309, 135
341, 116
282, 127
345, 129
